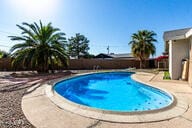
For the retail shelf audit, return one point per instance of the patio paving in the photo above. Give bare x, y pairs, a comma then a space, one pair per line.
42, 113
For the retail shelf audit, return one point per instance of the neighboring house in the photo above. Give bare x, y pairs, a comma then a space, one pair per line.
178, 44
115, 56
162, 62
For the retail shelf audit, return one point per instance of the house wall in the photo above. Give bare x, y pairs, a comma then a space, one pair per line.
178, 50
170, 42
190, 63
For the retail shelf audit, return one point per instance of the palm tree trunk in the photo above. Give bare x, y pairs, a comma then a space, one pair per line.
140, 64
144, 63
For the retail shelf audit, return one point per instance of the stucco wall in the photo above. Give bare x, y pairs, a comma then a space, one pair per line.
190, 63
179, 51
170, 58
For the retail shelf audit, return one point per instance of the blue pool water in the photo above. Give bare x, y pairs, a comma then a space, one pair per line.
114, 91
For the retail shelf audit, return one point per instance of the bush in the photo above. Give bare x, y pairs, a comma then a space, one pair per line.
3, 54
166, 76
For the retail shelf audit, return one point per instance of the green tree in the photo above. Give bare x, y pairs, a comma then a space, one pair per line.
3, 54
41, 47
78, 46
142, 45
88, 56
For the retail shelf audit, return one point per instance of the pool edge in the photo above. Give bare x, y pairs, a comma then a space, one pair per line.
176, 108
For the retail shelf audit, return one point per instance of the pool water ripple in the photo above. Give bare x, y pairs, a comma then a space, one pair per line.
114, 91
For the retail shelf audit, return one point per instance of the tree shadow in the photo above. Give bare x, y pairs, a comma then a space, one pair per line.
77, 91
21, 83
36, 86
17, 87
77, 100
86, 94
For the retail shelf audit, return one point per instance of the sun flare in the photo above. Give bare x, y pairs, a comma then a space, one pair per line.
35, 7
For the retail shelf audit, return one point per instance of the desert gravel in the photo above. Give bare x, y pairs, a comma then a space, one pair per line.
12, 88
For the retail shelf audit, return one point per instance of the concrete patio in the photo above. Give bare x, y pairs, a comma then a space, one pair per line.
42, 113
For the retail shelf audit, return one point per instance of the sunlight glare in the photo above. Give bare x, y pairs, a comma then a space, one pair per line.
35, 7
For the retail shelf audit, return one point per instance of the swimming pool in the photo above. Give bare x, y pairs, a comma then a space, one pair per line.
112, 91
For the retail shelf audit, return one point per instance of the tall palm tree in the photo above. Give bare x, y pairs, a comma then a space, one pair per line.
142, 45
41, 47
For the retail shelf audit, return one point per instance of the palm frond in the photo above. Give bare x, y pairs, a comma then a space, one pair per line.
41, 46
142, 44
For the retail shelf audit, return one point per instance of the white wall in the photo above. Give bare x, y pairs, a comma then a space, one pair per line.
190, 63
178, 50
170, 58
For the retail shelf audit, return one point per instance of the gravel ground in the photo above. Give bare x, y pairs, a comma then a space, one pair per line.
12, 88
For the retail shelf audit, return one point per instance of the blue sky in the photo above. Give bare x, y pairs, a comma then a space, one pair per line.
103, 22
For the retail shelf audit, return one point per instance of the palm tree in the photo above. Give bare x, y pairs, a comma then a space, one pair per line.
41, 47
142, 45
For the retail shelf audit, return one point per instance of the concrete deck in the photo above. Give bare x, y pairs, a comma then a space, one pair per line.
42, 113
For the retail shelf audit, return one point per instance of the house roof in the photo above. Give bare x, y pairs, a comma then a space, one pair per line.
125, 55
177, 34
103, 55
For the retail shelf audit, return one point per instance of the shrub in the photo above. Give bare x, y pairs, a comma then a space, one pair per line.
166, 76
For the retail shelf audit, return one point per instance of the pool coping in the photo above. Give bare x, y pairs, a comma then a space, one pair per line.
175, 109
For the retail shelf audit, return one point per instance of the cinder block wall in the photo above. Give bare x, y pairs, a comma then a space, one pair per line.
5, 64
103, 64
